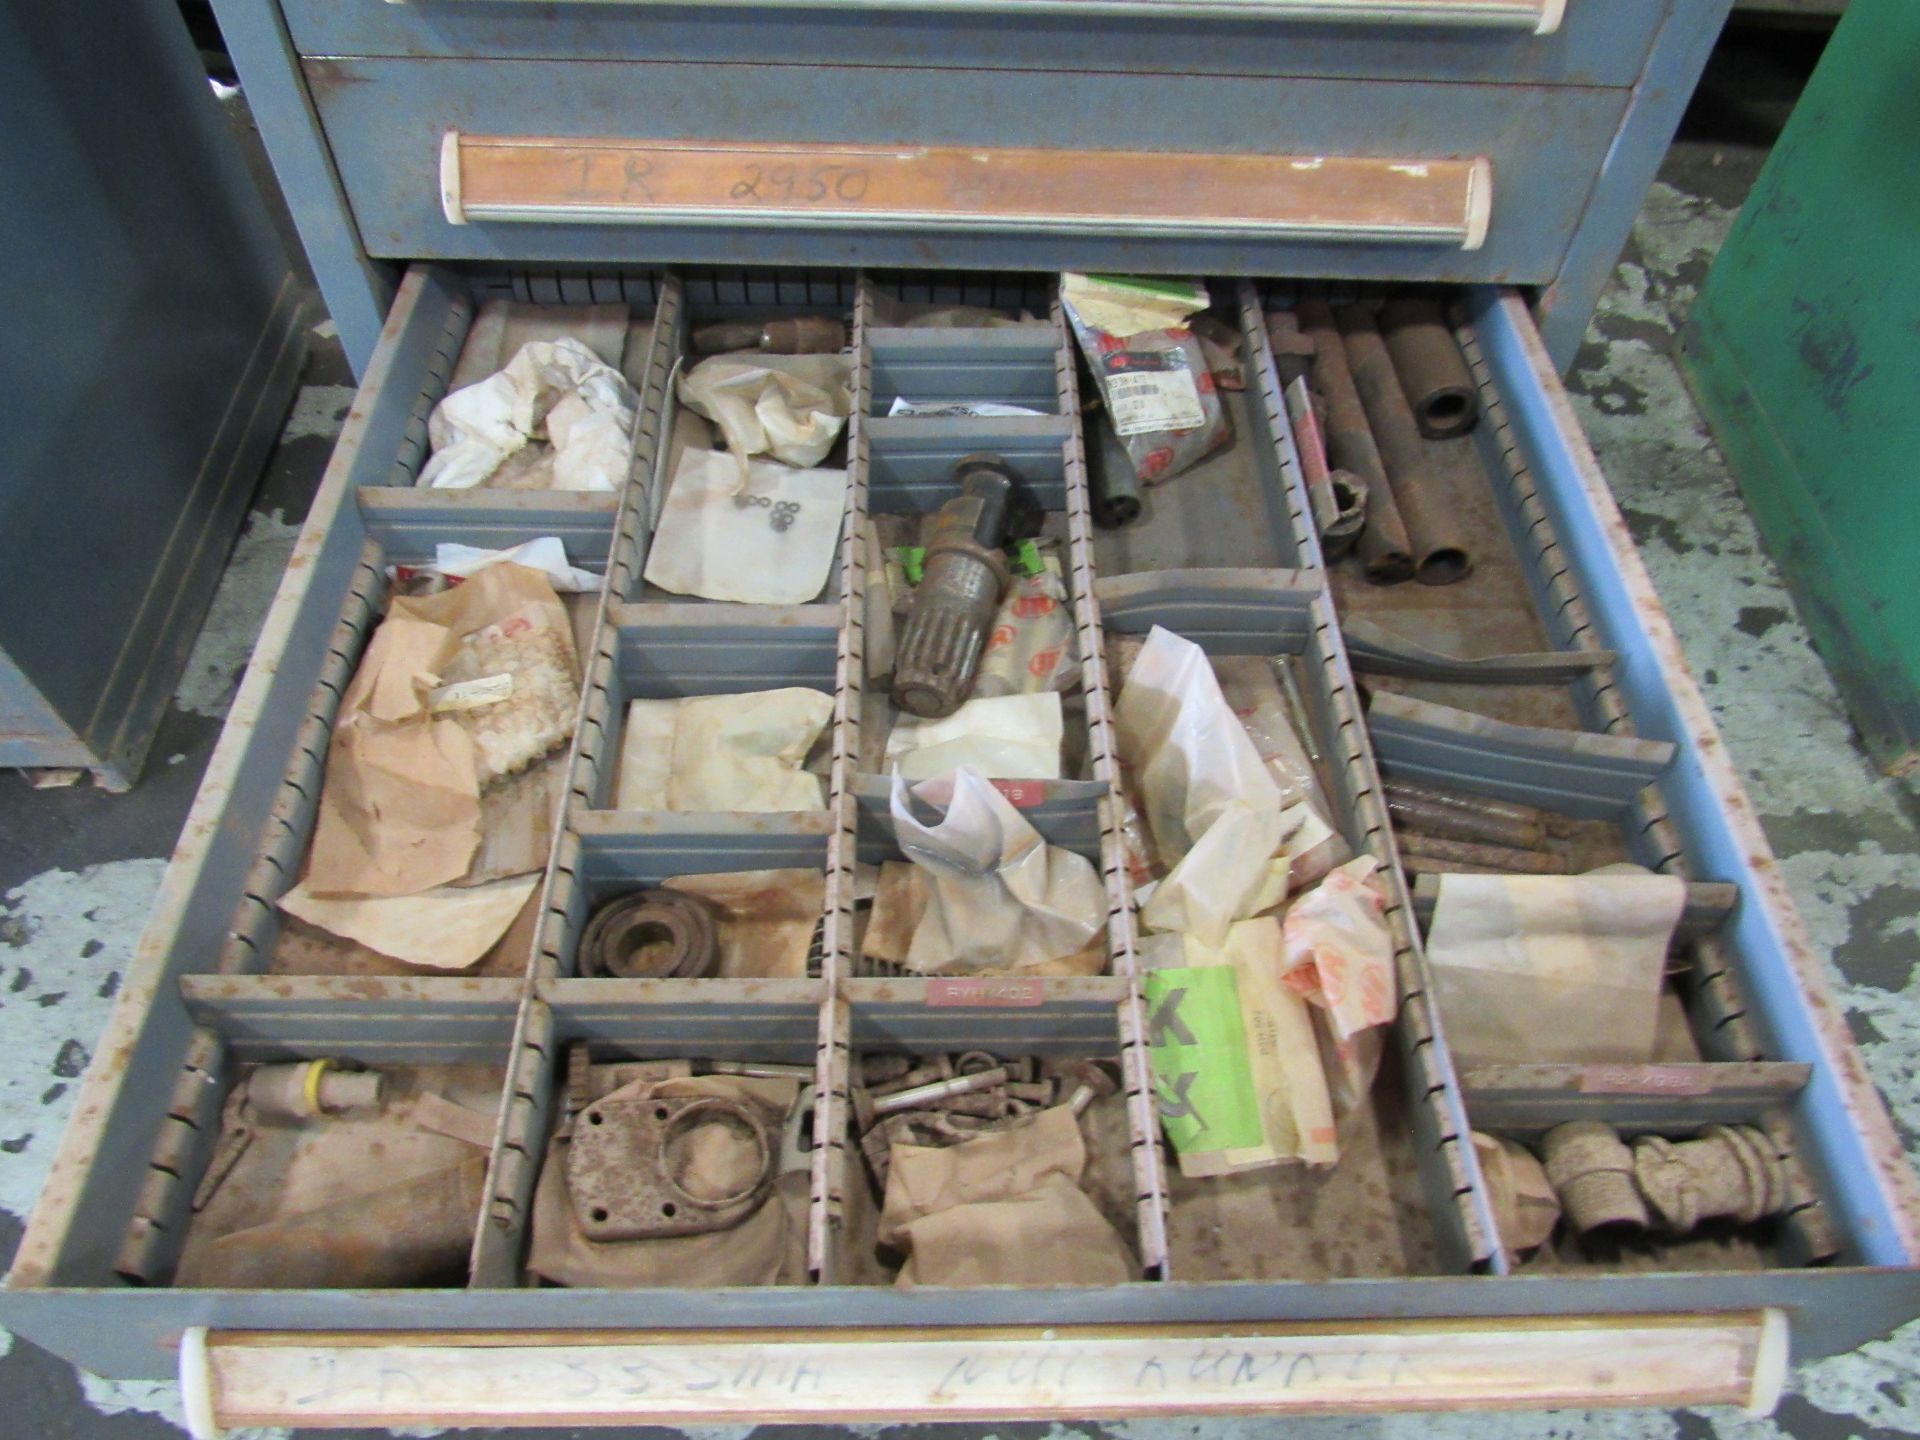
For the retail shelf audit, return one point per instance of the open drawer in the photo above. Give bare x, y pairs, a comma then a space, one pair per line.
1381, 1283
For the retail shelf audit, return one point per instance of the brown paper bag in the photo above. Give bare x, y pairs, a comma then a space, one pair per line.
1003, 1209
767, 919
769, 1247
400, 809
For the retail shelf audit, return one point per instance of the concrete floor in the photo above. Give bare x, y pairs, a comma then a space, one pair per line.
78, 868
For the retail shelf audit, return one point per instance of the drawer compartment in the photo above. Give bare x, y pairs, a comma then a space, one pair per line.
1394, 1254
388, 121
1585, 42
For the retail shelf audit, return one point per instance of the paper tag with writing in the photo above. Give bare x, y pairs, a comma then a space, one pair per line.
1144, 401
1000, 992
471, 694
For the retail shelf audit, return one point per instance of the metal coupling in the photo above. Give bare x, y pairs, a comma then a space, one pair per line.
964, 575
1591, 1169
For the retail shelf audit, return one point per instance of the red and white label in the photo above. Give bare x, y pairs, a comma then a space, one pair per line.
996, 992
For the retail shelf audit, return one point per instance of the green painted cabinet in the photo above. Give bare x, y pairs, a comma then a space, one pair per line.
1804, 351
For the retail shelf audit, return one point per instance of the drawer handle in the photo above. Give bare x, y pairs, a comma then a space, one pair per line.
324, 1380
1541, 17
869, 187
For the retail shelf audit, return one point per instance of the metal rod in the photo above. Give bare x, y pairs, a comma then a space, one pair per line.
1440, 554
1385, 551
919, 1095
1454, 823
1502, 858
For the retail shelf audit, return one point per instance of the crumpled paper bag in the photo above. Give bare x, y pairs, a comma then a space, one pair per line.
1003, 1209
1525, 1207
769, 1247
1195, 770
547, 554
1552, 969
766, 920
400, 808
1004, 737
723, 752
1000, 898
558, 391
449, 927
792, 407
757, 532
1339, 951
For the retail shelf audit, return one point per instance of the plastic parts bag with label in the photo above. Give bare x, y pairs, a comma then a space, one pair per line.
1000, 898
1151, 369
1006, 737
755, 531
557, 391
792, 407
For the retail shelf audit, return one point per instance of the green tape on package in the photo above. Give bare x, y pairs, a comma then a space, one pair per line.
1202, 1076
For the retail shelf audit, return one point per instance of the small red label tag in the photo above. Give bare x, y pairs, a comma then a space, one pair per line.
992, 991
1644, 1080
1022, 794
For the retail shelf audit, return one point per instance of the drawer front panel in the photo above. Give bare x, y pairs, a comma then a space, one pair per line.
387, 120
1596, 42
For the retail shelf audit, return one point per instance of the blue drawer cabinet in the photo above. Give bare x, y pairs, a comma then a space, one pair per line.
1572, 101
418, 142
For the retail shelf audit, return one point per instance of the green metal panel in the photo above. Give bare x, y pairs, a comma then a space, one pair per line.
1803, 352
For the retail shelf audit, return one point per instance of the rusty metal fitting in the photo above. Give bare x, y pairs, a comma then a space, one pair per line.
973, 1062
1502, 858
987, 1104
1592, 1171
797, 335
652, 935
917, 1096
962, 579
1039, 1092
877, 1069
757, 1070
1731, 1172
937, 1069
309, 1089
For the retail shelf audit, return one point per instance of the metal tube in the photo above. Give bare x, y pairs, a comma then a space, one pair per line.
1439, 553
1428, 818
919, 1095
1465, 800
1432, 372
1502, 858
1385, 551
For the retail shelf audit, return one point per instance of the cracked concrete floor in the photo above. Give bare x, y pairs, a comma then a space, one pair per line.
78, 868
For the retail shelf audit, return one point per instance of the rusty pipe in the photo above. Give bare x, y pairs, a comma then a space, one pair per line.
1432, 372
1384, 549
1466, 801
1503, 858
1427, 817
1440, 555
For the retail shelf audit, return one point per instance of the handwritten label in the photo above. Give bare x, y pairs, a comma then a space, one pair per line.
1042, 1374
987, 991
1644, 1080
471, 694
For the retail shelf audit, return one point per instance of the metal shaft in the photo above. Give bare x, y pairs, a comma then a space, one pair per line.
1412, 812
959, 592
1431, 369
1439, 553
1384, 549
920, 1095
1503, 858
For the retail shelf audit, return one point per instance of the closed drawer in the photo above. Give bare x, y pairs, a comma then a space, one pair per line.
1383, 1288
387, 121
1586, 42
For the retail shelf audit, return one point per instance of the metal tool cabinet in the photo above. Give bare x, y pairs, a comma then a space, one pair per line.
1572, 102
1441, 1315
